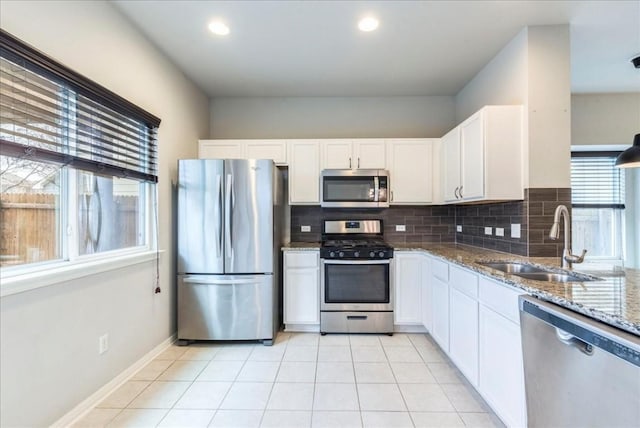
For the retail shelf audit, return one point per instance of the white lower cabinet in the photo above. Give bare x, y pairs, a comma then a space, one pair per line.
501, 380
426, 294
463, 333
440, 305
408, 285
301, 287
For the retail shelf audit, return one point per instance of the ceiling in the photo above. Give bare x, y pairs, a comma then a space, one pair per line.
313, 48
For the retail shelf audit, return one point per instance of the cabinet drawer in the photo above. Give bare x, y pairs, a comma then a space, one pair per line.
501, 298
464, 281
300, 259
440, 269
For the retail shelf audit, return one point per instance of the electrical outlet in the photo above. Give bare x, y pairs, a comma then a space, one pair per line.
459, 228
401, 228
305, 228
499, 231
487, 231
515, 230
103, 343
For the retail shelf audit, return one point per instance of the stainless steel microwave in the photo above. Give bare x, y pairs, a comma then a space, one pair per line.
357, 188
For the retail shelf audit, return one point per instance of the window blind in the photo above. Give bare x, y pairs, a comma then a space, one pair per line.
50, 113
595, 182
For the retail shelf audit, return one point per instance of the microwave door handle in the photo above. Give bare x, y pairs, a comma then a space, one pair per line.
376, 189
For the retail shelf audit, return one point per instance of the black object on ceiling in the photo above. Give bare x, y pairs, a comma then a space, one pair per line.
630, 158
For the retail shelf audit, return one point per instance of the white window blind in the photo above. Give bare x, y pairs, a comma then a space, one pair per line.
595, 181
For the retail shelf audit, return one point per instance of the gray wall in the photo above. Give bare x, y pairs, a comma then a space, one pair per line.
49, 354
331, 117
604, 118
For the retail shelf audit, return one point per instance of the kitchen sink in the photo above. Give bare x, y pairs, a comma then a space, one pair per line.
527, 271
554, 277
513, 267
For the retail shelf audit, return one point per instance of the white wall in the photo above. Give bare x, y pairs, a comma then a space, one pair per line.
533, 70
49, 336
605, 118
331, 117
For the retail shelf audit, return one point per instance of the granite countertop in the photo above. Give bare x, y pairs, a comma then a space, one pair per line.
301, 246
614, 298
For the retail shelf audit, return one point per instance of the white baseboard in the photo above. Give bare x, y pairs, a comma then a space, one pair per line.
399, 328
310, 328
87, 405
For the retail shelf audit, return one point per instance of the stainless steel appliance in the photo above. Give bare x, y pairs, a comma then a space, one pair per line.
228, 249
356, 292
359, 188
578, 372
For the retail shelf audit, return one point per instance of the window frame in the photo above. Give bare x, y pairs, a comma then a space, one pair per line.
71, 264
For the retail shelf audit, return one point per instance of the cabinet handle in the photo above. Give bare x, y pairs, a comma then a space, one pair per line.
358, 163
460, 191
455, 192
392, 196
349, 163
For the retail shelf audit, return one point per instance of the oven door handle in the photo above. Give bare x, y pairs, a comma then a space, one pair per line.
356, 262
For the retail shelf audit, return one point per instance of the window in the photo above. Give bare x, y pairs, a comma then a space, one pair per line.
77, 164
597, 197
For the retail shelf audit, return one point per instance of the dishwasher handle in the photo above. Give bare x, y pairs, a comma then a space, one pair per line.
570, 340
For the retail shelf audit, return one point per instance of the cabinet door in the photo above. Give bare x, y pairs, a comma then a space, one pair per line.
425, 294
304, 173
301, 287
463, 333
369, 154
267, 149
451, 165
220, 149
440, 311
472, 148
411, 171
337, 154
501, 374
408, 284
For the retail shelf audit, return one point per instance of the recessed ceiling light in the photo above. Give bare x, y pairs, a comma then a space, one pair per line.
219, 28
368, 24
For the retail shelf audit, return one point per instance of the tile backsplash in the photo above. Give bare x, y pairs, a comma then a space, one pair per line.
437, 224
430, 224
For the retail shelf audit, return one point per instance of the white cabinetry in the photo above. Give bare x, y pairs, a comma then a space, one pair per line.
463, 322
501, 372
301, 288
440, 303
353, 154
411, 170
483, 156
426, 294
304, 172
244, 149
408, 288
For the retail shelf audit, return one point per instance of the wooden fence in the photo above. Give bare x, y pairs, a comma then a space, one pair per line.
29, 228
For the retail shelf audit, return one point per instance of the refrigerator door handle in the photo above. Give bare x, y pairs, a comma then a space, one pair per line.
227, 215
218, 281
219, 186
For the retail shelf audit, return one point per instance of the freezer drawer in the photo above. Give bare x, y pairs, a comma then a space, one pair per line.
225, 307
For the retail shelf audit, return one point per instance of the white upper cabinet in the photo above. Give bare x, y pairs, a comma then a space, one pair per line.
353, 154
483, 156
220, 149
304, 172
411, 170
244, 149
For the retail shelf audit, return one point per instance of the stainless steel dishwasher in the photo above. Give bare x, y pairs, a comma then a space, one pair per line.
578, 372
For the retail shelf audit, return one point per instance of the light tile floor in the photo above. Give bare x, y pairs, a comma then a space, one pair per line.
303, 380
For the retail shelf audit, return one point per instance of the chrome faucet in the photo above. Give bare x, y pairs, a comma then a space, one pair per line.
554, 233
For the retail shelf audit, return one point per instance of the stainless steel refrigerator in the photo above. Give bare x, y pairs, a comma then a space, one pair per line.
229, 239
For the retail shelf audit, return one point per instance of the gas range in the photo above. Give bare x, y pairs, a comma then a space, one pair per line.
354, 240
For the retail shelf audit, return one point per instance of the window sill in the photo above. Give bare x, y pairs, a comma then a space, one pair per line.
15, 284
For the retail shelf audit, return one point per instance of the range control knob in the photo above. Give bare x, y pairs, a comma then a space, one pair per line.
332, 254
356, 254
341, 254
372, 254
381, 254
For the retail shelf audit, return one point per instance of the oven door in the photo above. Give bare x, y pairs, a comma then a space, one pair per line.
356, 285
